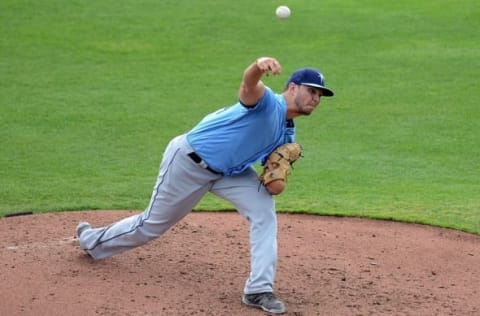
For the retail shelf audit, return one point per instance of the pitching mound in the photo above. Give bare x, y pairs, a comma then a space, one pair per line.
327, 266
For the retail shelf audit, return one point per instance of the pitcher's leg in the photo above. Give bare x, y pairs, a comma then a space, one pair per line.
258, 207
180, 185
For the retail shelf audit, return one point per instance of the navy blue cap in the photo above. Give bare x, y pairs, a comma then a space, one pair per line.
310, 77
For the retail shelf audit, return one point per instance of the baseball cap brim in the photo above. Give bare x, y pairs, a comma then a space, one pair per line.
326, 92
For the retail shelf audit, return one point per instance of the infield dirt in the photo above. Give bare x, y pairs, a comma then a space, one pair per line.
326, 266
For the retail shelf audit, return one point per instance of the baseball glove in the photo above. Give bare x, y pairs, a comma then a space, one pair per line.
277, 167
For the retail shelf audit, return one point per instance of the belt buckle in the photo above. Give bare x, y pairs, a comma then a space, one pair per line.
203, 164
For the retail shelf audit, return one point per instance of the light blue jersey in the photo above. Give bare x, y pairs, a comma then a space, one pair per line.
233, 138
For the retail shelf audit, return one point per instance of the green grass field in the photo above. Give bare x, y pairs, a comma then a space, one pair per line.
92, 91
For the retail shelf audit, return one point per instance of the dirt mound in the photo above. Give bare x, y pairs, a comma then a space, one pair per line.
327, 266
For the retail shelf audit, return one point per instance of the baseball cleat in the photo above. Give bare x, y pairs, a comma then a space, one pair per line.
81, 227
266, 301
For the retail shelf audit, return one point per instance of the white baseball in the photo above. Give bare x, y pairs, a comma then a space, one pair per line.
282, 12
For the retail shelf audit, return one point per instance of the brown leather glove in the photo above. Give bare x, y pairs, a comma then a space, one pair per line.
277, 167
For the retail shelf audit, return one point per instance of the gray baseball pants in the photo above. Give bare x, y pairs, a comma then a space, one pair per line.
180, 185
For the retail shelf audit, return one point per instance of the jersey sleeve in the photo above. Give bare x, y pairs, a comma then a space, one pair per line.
264, 102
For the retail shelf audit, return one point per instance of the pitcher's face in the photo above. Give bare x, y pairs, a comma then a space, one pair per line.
306, 99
